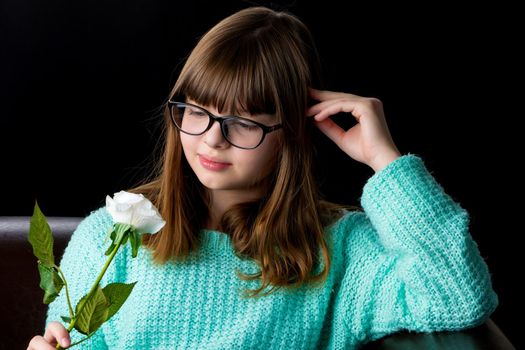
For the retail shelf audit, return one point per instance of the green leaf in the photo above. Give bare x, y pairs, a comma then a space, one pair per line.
121, 229
125, 240
50, 282
110, 249
112, 234
41, 238
135, 242
66, 319
94, 313
116, 294
117, 232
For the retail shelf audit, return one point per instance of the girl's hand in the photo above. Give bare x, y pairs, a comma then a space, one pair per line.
369, 141
55, 332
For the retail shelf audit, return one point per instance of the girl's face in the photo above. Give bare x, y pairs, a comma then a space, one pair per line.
223, 167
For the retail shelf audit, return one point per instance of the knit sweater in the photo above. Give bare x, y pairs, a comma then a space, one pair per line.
406, 262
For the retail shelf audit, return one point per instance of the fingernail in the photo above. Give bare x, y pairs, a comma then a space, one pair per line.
64, 342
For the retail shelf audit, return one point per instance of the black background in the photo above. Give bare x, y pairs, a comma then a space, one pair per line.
82, 83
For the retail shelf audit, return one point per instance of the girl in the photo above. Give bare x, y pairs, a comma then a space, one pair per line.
250, 257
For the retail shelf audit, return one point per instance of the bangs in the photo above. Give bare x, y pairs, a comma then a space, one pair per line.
229, 79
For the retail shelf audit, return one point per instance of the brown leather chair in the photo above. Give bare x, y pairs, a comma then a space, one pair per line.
23, 313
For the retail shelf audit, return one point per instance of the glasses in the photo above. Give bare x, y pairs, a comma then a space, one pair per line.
239, 132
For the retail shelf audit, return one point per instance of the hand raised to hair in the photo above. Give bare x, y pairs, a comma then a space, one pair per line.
369, 141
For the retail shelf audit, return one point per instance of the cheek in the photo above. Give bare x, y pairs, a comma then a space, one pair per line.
268, 156
272, 145
187, 142
188, 147
183, 140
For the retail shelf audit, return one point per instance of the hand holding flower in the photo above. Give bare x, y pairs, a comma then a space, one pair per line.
133, 215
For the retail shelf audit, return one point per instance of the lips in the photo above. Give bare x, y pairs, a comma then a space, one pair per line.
212, 163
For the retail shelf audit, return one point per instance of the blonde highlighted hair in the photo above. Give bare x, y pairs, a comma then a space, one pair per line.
257, 61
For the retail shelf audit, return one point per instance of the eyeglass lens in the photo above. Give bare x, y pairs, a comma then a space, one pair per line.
195, 121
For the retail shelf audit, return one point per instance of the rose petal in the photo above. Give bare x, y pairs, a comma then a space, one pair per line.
128, 197
148, 220
150, 225
109, 201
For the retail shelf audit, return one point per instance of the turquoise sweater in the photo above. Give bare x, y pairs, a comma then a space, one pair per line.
408, 262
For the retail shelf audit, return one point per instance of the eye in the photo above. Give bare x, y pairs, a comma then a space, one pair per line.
245, 125
196, 112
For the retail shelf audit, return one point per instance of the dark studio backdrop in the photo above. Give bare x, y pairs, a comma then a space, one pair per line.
82, 83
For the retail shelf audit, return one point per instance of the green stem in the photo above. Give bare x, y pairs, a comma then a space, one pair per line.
78, 342
83, 340
71, 314
94, 287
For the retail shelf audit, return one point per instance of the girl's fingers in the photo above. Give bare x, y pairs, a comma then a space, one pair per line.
329, 98
326, 105
39, 343
315, 109
56, 332
336, 107
315, 94
322, 95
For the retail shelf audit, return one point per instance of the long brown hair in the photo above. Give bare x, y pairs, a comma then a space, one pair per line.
258, 61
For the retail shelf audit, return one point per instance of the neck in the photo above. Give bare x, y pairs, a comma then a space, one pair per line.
222, 200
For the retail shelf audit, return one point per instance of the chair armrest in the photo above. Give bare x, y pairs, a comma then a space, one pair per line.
22, 311
486, 336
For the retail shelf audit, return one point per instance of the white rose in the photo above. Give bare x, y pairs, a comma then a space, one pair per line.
136, 210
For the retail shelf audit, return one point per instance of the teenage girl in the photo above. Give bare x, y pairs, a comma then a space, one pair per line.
250, 256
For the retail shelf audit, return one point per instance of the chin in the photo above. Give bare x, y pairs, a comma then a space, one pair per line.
214, 183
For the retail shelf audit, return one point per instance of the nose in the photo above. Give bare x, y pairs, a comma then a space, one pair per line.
214, 138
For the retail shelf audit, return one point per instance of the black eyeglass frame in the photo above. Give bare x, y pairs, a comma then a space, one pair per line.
212, 118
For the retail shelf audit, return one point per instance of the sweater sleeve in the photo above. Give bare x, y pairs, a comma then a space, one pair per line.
416, 266
81, 263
